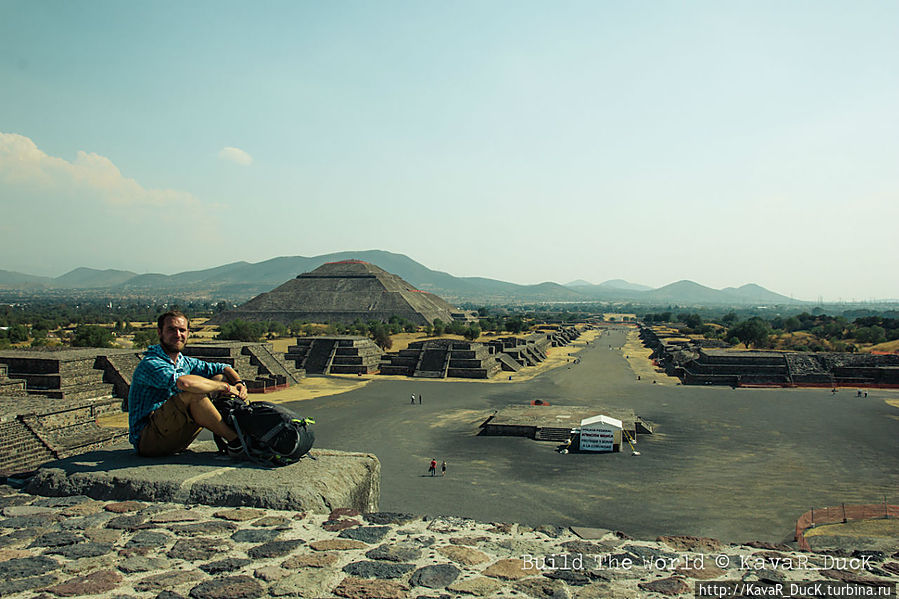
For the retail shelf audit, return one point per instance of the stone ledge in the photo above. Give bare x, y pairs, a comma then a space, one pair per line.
334, 479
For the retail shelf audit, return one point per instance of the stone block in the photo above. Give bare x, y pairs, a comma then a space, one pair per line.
200, 475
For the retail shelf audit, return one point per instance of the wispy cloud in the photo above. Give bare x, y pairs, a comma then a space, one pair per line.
235, 155
90, 175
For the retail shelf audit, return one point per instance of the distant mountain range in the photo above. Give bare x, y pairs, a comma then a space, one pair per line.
240, 281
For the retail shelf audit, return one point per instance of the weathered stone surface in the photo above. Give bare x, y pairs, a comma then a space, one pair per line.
82, 550
198, 548
334, 478
371, 569
509, 569
470, 541
394, 518
229, 564
175, 516
437, 576
255, 535
139, 563
229, 587
7, 554
271, 521
24, 567
149, 538
366, 534
463, 555
60, 502
688, 543
131, 523
316, 582
57, 539
504, 528
270, 573
275, 548
450, 524
103, 535
337, 545
587, 547
122, 507
337, 525
571, 577
395, 552
167, 580
92, 584
479, 586
310, 560
707, 572
26, 510
542, 588
602, 590
357, 588
8, 587
667, 586
210, 527
87, 508
31, 521
343, 512
241, 514
84, 522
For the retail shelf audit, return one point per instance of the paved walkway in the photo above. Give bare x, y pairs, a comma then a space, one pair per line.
737, 465
76, 546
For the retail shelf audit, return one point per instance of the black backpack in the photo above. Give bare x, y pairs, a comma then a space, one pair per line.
269, 434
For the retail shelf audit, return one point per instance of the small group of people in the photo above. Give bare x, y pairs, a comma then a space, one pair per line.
432, 468
413, 398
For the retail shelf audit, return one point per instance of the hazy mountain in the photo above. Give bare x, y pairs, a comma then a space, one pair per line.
89, 278
758, 294
240, 281
16, 280
622, 284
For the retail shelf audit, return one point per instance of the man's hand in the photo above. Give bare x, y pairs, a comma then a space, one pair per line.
240, 389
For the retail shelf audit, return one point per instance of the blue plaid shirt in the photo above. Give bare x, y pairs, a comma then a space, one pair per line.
155, 380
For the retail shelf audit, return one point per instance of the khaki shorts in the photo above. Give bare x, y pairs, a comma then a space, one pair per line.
171, 429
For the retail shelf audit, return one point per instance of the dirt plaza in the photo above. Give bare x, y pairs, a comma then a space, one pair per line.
736, 465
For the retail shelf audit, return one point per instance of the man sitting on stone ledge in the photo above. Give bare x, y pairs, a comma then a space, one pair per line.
168, 403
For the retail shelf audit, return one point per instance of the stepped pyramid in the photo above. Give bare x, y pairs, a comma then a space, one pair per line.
343, 292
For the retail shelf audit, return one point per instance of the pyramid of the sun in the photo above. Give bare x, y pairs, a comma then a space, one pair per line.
342, 292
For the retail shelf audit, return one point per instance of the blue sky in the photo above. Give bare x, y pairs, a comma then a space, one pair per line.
722, 142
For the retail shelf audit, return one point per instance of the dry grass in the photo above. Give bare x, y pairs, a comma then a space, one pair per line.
882, 528
638, 359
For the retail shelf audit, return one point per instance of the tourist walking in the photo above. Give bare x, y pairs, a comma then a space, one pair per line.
432, 469
443, 468
419, 399
413, 399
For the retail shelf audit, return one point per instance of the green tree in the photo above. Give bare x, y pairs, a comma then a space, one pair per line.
242, 330
438, 327
472, 332
381, 336
874, 334
91, 335
754, 331
145, 338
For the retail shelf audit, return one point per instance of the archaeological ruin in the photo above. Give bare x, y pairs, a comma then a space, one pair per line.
50, 399
703, 362
343, 292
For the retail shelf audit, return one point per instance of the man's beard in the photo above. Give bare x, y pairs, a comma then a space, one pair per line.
169, 349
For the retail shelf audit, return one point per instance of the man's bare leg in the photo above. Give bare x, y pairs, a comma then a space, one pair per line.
206, 415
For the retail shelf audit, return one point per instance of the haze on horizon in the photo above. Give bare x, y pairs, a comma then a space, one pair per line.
724, 143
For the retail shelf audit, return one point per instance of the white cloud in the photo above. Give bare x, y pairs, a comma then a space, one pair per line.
90, 175
235, 155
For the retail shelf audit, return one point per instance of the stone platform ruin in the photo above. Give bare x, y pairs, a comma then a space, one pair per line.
335, 355
699, 362
50, 399
201, 475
